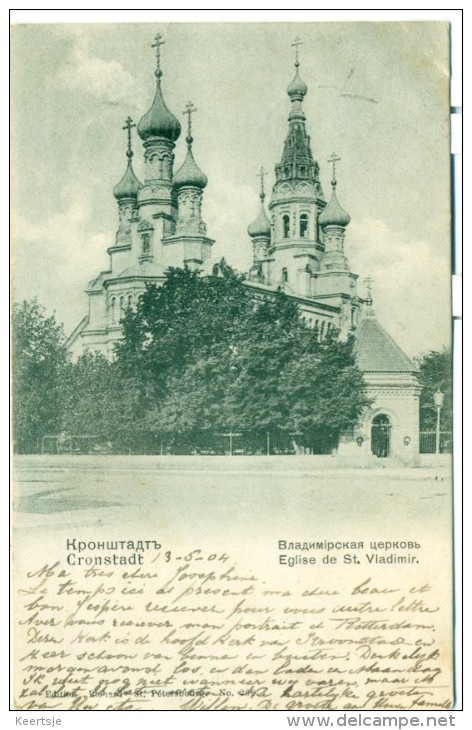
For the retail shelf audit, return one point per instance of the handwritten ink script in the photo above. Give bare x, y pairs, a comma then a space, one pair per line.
202, 633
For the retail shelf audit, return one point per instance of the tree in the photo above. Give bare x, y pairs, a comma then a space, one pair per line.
103, 403
189, 316
324, 393
435, 372
214, 357
39, 363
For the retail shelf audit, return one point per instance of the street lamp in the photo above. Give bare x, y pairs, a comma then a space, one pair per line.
438, 402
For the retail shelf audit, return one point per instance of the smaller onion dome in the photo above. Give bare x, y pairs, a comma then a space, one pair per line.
129, 185
261, 226
190, 175
158, 120
333, 214
297, 87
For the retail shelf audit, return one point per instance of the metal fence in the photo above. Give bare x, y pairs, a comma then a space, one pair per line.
229, 443
205, 443
429, 445
74, 444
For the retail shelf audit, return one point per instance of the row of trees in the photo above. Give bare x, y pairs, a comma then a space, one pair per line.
198, 356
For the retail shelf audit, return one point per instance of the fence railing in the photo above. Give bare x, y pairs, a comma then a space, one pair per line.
428, 442
204, 443
227, 443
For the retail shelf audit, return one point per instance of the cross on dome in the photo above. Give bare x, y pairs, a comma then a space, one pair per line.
190, 108
368, 300
333, 159
297, 88
368, 285
129, 185
158, 42
129, 124
296, 44
262, 175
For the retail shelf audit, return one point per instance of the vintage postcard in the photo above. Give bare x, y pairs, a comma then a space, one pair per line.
231, 328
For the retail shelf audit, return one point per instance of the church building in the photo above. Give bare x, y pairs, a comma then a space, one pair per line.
298, 246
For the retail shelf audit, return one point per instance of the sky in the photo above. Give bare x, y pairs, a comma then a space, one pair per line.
378, 95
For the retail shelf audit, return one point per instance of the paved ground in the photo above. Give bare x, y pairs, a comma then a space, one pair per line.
241, 493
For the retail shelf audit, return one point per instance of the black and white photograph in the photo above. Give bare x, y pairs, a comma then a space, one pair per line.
231, 371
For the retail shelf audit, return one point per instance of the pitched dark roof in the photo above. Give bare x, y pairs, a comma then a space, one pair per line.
377, 352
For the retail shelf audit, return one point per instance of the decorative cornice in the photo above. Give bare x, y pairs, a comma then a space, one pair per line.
116, 249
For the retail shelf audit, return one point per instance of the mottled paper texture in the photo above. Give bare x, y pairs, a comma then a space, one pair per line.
241, 583
235, 582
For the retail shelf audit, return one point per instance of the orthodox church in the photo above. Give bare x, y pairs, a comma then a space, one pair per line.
299, 248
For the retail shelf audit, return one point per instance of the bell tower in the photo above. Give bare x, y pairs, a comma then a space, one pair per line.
297, 198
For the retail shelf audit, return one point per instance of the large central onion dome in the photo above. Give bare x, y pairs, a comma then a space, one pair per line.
159, 121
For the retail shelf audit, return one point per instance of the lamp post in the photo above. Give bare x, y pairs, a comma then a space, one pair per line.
438, 402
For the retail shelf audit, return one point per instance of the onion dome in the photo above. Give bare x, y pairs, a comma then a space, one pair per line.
190, 175
297, 87
333, 214
129, 185
261, 226
158, 120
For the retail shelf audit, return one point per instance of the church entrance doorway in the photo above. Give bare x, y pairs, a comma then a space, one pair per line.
380, 435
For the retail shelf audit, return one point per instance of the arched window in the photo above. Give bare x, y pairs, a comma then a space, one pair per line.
284, 275
286, 225
322, 329
130, 300
303, 225
113, 310
146, 243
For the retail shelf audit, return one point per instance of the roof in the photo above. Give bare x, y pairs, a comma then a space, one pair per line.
377, 352
189, 174
75, 334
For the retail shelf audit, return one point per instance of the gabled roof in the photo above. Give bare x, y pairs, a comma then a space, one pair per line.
377, 352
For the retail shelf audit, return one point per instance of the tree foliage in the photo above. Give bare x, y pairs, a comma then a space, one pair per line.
101, 403
39, 365
435, 372
200, 355
214, 358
